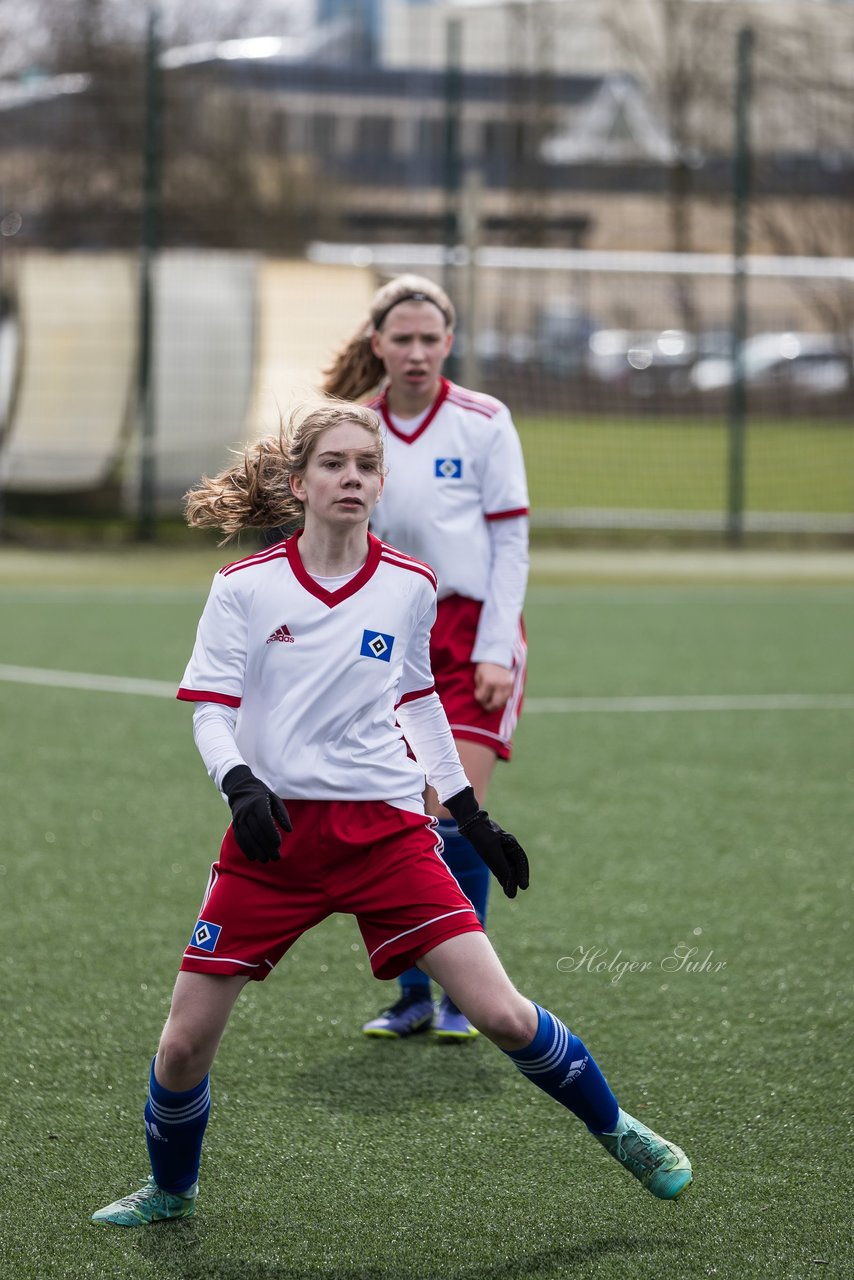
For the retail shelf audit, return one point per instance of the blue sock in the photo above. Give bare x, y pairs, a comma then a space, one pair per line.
175, 1124
471, 874
560, 1064
414, 982
467, 867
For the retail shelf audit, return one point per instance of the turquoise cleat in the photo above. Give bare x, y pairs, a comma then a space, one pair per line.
659, 1165
150, 1204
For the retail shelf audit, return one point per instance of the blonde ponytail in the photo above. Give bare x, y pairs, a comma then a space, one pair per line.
354, 370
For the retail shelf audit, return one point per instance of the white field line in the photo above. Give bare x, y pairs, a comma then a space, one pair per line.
101, 595
89, 682
696, 702
582, 592
690, 595
560, 706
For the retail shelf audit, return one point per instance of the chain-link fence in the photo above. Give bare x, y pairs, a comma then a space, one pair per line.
666, 301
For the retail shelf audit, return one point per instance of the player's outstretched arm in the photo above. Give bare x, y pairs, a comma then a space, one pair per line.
255, 811
501, 851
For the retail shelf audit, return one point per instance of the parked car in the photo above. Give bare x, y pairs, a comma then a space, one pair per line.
646, 362
562, 333
813, 363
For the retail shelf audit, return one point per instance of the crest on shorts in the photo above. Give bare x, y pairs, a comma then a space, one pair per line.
449, 469
376, 644
205, 935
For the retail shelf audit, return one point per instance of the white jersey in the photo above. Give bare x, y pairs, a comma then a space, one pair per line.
316, 675
459, 469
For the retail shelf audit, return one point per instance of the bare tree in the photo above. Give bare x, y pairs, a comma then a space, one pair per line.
803, 127
60, 32
532, 114
683, 55
225, 184
82, 180
802, 105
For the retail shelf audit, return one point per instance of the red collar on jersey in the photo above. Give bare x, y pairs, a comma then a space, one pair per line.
331, 598
444, 388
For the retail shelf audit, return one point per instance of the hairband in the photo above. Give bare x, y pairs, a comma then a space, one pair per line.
410, 297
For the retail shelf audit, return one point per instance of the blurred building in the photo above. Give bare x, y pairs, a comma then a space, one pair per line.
565, 124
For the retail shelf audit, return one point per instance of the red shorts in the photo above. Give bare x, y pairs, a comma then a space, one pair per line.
360, 857
451, 646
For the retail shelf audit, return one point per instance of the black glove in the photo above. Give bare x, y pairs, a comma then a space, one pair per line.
255, 812
501, 852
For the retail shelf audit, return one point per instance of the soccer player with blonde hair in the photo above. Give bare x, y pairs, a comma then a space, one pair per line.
311, 663
456, 498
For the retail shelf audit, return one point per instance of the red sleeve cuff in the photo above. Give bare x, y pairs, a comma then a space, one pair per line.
205, 695
416, 693
507, 515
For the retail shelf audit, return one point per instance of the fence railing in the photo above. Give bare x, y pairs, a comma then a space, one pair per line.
620, 402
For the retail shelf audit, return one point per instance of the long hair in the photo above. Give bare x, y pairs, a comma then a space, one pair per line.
255, 492
355, 370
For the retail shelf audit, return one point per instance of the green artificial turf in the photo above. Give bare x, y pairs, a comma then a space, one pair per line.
332, 1157
683, 465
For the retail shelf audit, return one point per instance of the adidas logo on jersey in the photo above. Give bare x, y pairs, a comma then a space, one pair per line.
282, 635
575, 1070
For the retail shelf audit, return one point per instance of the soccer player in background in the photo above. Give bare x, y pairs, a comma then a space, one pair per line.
456, 498
311, 662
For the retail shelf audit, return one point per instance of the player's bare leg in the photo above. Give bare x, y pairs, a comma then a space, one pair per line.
468, 969
200, 1009
413, 1012
553, 1058
178, 1103
478, 760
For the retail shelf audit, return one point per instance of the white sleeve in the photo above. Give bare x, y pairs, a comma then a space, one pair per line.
217, 665
213, 731
498, 629
426, 729
504, 486
416, 678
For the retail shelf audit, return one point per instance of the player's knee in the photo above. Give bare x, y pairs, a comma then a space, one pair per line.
511, 1026
183, 1058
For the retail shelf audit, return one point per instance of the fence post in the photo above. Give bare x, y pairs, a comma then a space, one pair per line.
147, 527
10, 225
741, 229
451, 164
471, 236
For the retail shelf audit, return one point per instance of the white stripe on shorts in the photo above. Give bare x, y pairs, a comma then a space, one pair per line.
460, 911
